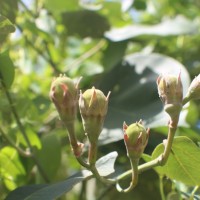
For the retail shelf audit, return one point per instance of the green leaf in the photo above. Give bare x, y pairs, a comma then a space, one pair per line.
111, 59
11, 169
184, 161
32, 136
178, 26
6, 26
60, 5
7, 70
134, 93
50, 154
86, 23
105, 166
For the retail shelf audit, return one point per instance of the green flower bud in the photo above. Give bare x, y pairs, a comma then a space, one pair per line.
194, 90
135, 138
170, 91
93, 106
64, 94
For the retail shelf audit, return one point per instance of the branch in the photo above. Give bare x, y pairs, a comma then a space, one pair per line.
21, 151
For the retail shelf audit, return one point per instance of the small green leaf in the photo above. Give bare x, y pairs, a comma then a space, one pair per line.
11, 169
6, 26
32, 136
183, 163
7, 70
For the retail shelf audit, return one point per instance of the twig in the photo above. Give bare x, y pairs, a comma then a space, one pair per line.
193, 192
21, 151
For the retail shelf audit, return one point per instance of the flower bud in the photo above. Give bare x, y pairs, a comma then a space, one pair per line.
64, 94
170, 91
193, 90
135, 138
93, 106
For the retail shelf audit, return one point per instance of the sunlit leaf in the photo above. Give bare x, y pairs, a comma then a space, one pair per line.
183, 163
60, 5
11, 169
105, 164
179, 25
32, 136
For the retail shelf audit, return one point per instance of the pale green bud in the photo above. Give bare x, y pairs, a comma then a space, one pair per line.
64, 94
135, 138
194, 90
93, 105
170, 91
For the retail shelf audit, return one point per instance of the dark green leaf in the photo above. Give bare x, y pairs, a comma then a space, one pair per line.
7, 70
134, 93
85, 23
178, 26
113, 54
183, 163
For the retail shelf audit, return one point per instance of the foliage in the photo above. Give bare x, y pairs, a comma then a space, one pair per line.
115, 46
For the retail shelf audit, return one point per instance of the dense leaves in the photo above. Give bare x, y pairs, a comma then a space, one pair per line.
117, 46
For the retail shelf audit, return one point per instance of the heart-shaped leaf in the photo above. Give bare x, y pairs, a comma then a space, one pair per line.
183, 163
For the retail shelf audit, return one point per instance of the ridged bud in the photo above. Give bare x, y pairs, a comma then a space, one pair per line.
64, 95
170, 91
194, 90
93, 105
135, 138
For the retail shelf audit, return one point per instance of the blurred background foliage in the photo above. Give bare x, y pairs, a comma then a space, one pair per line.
119, 46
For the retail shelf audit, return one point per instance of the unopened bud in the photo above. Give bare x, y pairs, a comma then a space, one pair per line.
64, 94
170, 91
193, 91
93, 106
135, 138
